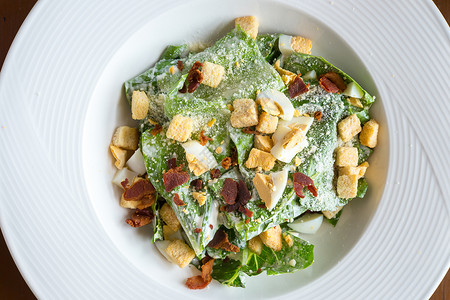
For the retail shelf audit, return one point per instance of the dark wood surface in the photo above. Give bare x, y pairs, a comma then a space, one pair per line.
12, 285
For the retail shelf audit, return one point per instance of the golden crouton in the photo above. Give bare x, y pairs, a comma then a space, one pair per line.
295, 136
346, 156
347, 186
255, 245
301, 45
138, 204
272, 238
212, 74
369, 134
355, 102
258, 158
180, 128
249, 24
120, 155
139, 105
267, 123
264, 186
331, 214
288, 239
349, 127
195, 165
359, 170
263, 142
126, 138
286, 76
245, 113
200, 197
269, 106
168, 216
180, 253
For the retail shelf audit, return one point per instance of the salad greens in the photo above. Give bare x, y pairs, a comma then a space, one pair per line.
245, 68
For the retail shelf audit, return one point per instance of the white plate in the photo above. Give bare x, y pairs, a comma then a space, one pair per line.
61, 98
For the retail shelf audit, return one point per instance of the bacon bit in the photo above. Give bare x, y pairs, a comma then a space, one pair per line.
195, 77
172, 163
183, 90
180, 65
220, 241
229, 191
300, 180
215, 173
247, 221
234, 156
140, 218
174, 177
297, 87
242, 198
327, 85
211, 226
261, 205
178, 201
336, 79
197, 230
247, 130
197, 184
157, 129
248, 213
203, 138
226, 163
139, 190
318, 115
201, 281
259, 270
124, 183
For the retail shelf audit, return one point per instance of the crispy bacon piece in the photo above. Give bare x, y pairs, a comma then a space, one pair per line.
234, 156
124, 183
328, 85
180, 65
247, 130
203, 138
177, 200
318, 115
220, 241
297, 87
243, 193
300, 181
172, 163
157, 129
336, 79
226, 163
229, 191
140, 218
215, 173
195, 77
242, 198
139, 190
183, 90
197, 230
174, 177
201, 281
248, 213
197, 184
211, 226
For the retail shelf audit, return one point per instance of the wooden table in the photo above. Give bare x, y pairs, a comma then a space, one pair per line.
12, 285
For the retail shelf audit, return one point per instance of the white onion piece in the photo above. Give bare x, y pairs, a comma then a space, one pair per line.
283, 102
201, 153
136, 163
309, 223
123, 174
354, 91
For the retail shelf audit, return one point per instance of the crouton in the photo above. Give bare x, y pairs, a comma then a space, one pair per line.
195, 165
287, 76
264, 186
288, 239
200, 197
295, 136
180, 128
272, 238
258, 158
126, 138
168, 216
269, 106
256, 245
263, 142
139, 105
120, 155
349, 127
347, 186
212, 74
267, 123
346, 156
139, 204
301, 45
245, 113
180, 253
249, 24
359, 170
355, 102
369, 134
331, 214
